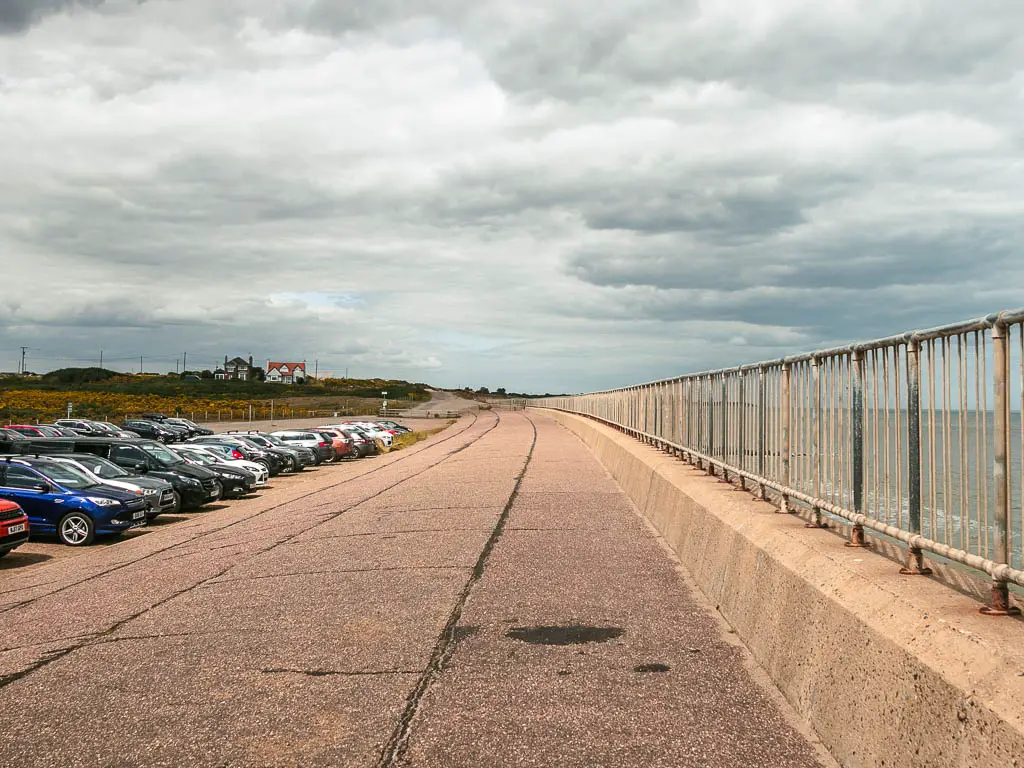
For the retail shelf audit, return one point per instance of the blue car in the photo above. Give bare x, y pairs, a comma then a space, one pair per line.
59, 498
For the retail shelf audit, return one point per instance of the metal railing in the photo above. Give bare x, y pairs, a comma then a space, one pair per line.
917, 437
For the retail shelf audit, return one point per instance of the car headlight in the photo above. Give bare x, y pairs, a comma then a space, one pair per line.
190, 481
149, 492
103, 501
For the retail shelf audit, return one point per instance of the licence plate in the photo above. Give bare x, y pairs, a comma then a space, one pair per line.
138, 515
16, 529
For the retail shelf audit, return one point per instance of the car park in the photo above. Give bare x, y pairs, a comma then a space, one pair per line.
82, 479
158, 493
61, 499
14, 526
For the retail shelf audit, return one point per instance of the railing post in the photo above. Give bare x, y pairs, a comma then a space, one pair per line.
915, 561
724, 429
787, 423
741, 449
857, 436
710, 416
999, 602
816, 522
761, 428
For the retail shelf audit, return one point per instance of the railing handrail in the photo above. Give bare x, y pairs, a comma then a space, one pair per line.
1008, 316
891, 435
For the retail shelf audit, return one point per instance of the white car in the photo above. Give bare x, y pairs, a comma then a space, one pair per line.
219, 455
159, 494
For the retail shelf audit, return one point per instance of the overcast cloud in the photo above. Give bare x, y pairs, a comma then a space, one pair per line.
542, 196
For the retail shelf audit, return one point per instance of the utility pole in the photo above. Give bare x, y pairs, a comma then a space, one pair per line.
22, 369
101, 358
316, 369
140, 363
184, 363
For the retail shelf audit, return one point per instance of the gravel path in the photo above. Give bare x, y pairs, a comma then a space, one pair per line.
437, 606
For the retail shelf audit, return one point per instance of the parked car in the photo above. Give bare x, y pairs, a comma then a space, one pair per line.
194, 428
14, 526
158, 493
112, 430
150, 430
221, 454
244, 449
294, 459
59, 498
373, 431
343, 445
81, 426
235, 480
193, 486
395, 426
363, 443
35, 430
322, 447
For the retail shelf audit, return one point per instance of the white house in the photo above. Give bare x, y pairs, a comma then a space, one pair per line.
286, 373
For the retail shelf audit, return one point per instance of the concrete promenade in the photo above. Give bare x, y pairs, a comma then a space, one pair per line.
488, 597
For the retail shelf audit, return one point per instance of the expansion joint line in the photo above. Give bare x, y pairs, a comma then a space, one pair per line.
395, 748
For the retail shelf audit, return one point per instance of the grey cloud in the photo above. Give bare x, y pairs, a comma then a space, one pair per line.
18, 15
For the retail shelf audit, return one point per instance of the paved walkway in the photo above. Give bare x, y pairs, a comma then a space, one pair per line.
439, 606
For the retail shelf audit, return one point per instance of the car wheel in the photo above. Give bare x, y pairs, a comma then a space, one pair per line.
176, 506
289, 464
76, 529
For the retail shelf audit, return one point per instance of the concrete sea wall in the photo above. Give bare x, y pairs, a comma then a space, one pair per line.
887, 670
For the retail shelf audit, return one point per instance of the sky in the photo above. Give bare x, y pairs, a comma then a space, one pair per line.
542, 196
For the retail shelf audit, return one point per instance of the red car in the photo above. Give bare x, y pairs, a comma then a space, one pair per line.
13, 526
33, 430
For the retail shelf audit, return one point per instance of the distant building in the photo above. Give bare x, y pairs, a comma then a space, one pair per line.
234, 370
286, 373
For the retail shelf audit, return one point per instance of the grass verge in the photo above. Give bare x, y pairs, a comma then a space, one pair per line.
411, 438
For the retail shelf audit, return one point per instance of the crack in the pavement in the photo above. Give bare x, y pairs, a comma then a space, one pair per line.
395, 747
388, 533
341, 673
276, 507
379, 569
61, 653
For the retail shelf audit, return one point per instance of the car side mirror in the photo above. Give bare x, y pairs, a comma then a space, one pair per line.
42, 487
141, 468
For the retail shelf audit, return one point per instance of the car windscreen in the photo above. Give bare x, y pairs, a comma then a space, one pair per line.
67, 476
218, 450
199, 457
274, 440
162, 454
108, 470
